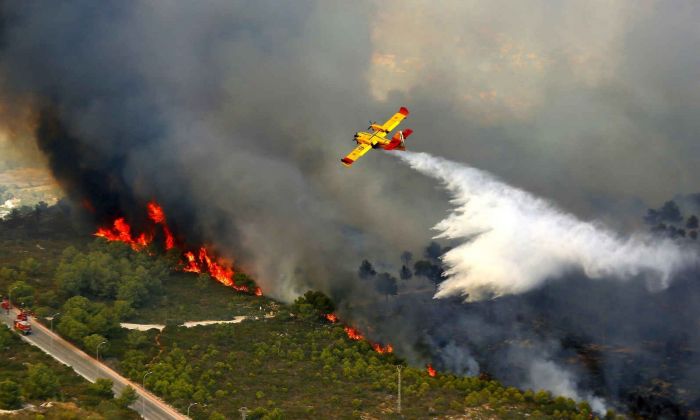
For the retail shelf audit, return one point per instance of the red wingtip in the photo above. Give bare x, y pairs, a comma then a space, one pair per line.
347, 161
407, 132
403, 111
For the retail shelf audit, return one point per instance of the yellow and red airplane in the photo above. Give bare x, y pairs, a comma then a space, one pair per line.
377, 138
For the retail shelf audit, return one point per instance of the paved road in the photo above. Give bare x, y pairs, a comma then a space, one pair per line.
148, 405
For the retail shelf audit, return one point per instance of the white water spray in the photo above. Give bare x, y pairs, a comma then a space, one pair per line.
514, 241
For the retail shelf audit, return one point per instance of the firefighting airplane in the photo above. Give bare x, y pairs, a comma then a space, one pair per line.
377, 138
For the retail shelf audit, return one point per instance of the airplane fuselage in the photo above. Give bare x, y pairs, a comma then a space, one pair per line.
372, 139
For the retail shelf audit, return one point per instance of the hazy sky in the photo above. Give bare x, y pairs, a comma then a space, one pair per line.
574, 99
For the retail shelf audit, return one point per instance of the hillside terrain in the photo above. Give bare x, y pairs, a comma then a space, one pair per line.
279, 361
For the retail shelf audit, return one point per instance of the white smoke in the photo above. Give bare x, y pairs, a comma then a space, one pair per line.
514, 241
545, 374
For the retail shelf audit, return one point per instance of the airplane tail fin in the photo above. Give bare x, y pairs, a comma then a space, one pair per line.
397, 142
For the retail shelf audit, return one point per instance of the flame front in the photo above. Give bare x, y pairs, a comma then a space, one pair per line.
382, 349
353, 334
219, 270
199, 262
121, 231
431, 371
202, 261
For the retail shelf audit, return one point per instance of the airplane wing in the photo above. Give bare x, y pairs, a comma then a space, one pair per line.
394, 120
357, 153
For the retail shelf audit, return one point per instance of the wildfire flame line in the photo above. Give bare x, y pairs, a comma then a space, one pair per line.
199, 262
355, 335
121, 231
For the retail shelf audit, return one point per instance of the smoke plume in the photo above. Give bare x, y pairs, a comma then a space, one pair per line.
548, 375
512, 241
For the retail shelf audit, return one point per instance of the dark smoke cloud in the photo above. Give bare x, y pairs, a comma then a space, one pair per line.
234, 116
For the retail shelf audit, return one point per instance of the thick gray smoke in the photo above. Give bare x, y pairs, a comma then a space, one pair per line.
233, 114
512, 241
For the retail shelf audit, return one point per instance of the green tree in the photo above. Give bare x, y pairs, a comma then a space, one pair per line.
274, 414
7, 275
133, 363
405, 273
102, 388
258, 413
433, 251
313, 304
81, 317
111, 271
41, 382
431, 271
242, 279
122, 309
181, 388
366, 270
10, 395
136, 339
72, 328
127, 397
386, 285
22, 293
30, 266
133, 290
5, 337
93, 340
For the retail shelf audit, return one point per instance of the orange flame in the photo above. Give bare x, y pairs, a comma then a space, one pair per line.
191, 266
382, 349
353, 334
155, 212
201, 262
121, 232
220, 271
169, 239
332, 318
431, 371
157, 215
